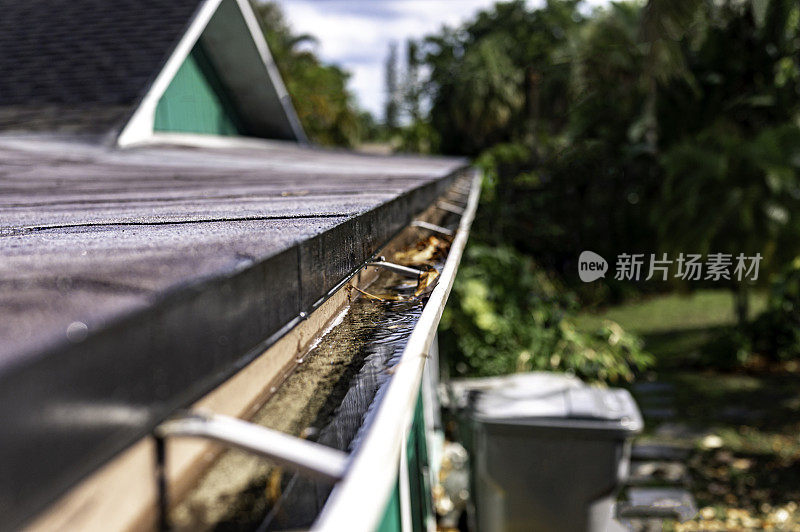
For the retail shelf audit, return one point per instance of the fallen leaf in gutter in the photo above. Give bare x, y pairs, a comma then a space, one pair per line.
427, 280
382, 297
426, 251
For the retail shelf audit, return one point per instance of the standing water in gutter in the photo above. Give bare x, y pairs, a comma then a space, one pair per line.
329, 397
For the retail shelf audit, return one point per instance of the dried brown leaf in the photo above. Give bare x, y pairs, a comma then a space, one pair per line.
273, 488
426, 251
427, 280
382, 297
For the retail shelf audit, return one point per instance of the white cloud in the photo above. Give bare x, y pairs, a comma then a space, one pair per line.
355, 34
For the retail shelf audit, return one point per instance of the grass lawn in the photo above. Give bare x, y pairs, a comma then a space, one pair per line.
743, 425
676, 312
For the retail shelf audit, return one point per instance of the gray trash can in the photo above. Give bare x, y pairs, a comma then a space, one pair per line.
550, 454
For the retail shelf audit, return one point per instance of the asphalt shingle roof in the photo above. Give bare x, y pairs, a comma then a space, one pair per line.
180, 263
82, 64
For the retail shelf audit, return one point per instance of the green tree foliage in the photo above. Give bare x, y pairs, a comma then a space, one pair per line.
670, 125
727, 192
392, 109
500, 76
731, 158
631, 109
572, 118
319, 91
412, 88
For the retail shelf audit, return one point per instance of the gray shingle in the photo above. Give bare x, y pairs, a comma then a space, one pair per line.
80, 65
182, 263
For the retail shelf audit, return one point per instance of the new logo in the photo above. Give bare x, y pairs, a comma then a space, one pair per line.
591, 266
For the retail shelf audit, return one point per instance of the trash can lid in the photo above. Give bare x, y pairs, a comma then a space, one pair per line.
594, 409
527, 384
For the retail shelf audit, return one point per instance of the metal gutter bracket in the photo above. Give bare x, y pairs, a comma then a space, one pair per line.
432, 227
381, 262
314, 459
449, 207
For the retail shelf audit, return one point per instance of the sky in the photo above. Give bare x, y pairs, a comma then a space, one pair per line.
356, 34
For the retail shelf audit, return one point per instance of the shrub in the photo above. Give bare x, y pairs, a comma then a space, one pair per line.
507, 315
776, 333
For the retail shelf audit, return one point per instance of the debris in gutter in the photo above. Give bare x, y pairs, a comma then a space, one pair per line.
424, 255
425, 252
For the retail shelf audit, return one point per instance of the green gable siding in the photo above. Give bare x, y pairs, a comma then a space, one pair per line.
196, 101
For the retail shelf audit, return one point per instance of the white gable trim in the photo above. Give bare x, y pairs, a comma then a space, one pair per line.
263, 49
140, 127
198, 140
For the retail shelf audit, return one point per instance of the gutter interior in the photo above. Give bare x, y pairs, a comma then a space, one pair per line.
328, 397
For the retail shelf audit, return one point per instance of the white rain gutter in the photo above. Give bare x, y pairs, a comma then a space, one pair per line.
358, 502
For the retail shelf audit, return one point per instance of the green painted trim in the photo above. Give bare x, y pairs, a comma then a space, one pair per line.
392, 520
419, 484
196, 101
418, 467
